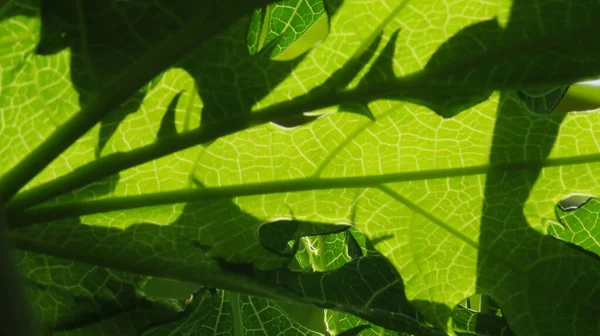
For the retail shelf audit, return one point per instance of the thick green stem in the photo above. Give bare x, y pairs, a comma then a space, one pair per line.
46, 213
117, 91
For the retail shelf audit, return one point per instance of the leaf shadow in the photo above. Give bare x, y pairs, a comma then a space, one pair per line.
229, 80
530, 50
514, 263
368, 287
104, 38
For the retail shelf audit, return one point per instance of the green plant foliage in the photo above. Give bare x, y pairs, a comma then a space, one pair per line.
543, 101
472, 322
71, 298
208, 313
382, 160
579, 225
217, 313
289, 28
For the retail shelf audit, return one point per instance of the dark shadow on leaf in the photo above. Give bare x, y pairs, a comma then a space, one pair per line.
109, 125
332, 6
353, 246
342, 77
167, 125
581, 249
275, 236
94, 190
383, 67
377, 240
229, 80
544, 100
478, 323
107, 36
507, 242
85, 296
381, 70
52, 37
368, 287
355, 331
487, 53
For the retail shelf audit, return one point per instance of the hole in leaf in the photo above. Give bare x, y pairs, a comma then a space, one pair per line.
276, 235
543, 101
480, 315
578, 224
583, 97
573, 202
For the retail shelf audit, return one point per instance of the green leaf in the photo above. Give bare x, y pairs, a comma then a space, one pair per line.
367, 287
458, 206
342, 324
580, 97
274, 236
477, 323
288, 27
207, 313
543, 101
110, 62
332, 252
578, 224
231, 90
71, 298
18, 313
221, 313
259, 316
401, 227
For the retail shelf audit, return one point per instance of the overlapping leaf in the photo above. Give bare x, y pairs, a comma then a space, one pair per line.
579, 226
288, 28
334, 251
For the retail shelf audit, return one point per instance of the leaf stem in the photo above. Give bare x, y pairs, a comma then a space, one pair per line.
45, 213
117, 91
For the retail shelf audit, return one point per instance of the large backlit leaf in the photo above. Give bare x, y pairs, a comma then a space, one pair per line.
457, 205
486, 229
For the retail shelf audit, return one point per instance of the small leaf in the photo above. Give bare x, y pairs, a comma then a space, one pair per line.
291, 26
579, 223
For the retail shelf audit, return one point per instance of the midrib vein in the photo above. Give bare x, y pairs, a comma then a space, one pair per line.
77, 208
